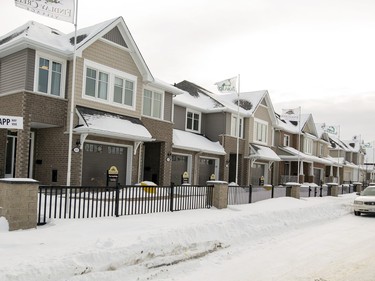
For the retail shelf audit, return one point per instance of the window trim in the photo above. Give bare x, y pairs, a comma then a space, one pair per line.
112, 75
264, 123
308, 146
38, 56
233, 123
286, 140
188, 110
153, 91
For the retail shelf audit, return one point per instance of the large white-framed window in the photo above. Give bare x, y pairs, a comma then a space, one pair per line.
153, 101
49, 75
193, 121
108, 85
308, 146
260, 131
234, 125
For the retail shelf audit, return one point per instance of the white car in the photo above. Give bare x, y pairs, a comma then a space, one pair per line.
365, 203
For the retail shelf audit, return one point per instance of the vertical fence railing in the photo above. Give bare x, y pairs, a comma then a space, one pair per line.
66, 202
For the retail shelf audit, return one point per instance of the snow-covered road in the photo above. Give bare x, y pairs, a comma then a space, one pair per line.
282, 239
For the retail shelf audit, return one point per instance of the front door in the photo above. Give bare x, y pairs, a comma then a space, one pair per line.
10, 157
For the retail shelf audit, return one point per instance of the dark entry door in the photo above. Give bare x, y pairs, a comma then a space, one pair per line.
151, 168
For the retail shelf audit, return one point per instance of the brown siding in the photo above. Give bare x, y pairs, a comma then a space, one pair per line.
168, 104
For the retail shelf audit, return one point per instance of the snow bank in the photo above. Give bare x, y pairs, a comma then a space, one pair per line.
4, 225
88, 249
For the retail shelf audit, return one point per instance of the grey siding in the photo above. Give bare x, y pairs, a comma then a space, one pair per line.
168, 104
115, 36
214, 125
14, 71
30, 70
179, 117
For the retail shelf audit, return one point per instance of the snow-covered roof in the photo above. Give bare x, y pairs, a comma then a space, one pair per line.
263, 153
205, 101
95, 122
38, 34
196, 97
294, 154
292, 126
194, 142
41, 37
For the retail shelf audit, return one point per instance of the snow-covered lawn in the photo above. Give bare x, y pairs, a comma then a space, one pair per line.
316, 239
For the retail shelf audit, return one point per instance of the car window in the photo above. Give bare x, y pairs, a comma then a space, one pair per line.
369, 192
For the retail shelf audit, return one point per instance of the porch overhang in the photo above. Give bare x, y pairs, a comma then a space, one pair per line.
260, 152
105, 124
197, 143
295, 155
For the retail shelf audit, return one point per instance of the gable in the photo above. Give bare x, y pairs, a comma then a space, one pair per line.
115, 36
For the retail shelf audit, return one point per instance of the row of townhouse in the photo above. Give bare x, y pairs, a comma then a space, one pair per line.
125, 117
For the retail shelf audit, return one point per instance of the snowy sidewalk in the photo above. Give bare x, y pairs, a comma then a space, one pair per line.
92, 249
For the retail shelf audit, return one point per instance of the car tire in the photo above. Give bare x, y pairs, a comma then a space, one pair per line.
357, 213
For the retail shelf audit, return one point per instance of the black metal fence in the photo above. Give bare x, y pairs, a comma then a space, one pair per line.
90, 202
248, 194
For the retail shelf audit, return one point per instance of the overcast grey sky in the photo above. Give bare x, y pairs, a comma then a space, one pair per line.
317, 54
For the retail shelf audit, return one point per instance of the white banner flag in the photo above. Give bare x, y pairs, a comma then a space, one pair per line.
58, 9
291, 114
227, 86
333, 130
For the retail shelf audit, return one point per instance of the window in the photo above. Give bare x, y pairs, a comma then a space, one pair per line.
152, 103
261, 131
308, 144
286, 140
123, 91
96, 84
234, 127
108, 85
49, 78
193, 121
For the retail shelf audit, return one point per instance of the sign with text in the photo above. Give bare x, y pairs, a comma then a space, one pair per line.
11, 122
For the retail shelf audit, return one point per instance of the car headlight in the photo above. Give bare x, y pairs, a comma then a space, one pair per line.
358, 202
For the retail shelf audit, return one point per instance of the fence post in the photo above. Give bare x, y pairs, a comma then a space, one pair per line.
272, 191
117, 199
19, 202
171, 197
250, 193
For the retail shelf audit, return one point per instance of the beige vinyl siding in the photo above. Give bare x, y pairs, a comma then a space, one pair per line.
17, 71
110, 56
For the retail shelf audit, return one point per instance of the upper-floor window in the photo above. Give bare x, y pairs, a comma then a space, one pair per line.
50, 74
234, 129
96, 84
286, 140
308, 146
152, 103
260, 133
193, 121
108, 85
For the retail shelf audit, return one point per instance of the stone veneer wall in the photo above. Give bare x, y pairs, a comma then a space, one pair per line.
19, 202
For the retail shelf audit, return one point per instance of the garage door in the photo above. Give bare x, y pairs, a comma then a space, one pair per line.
98, 158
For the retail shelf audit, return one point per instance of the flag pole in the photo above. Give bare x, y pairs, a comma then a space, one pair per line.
69, 169
299, 143
238, 126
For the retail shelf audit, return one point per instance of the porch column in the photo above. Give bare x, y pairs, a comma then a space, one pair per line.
331, 171
22, 154
338, 174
